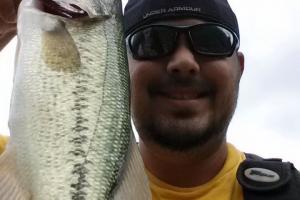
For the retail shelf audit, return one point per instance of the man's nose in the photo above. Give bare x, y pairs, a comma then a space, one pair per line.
183, 61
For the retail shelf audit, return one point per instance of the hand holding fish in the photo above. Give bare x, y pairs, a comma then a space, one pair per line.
8, 16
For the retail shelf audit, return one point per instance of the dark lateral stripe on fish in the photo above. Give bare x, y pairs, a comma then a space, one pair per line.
79, 169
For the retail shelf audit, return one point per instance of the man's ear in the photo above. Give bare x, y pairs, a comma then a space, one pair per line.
241, 61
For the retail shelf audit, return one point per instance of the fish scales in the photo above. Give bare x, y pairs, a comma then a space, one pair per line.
70, 119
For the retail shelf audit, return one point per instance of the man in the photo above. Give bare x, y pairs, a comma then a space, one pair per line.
184, 92
185, 70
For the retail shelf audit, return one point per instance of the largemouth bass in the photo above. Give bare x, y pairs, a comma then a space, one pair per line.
71, 136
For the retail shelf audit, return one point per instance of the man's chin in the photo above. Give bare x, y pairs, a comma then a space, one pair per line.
181, 137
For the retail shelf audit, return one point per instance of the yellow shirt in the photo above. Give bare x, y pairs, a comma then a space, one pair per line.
224, 186
3, 142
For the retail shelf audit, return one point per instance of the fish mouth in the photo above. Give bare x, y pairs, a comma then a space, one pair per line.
60, 8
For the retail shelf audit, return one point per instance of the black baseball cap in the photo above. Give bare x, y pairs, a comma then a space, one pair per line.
143, 12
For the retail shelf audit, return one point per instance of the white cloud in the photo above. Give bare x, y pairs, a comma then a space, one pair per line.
267, 119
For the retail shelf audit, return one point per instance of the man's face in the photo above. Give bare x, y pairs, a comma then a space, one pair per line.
184, 100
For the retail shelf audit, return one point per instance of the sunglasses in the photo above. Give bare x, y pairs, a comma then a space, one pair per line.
155, 41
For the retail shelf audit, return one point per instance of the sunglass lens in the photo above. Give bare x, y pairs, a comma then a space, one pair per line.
152, 42
212, 40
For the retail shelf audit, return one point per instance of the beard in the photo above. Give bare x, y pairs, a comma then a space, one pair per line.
186, 134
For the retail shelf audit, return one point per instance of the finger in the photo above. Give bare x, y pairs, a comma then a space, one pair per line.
8, 10
6, 26
5, 38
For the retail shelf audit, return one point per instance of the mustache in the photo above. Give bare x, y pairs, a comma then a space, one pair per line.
171, 82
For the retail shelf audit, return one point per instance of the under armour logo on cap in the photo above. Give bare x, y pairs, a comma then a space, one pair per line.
138, 13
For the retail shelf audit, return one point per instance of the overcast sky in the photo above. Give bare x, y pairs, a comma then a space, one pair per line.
267, 118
